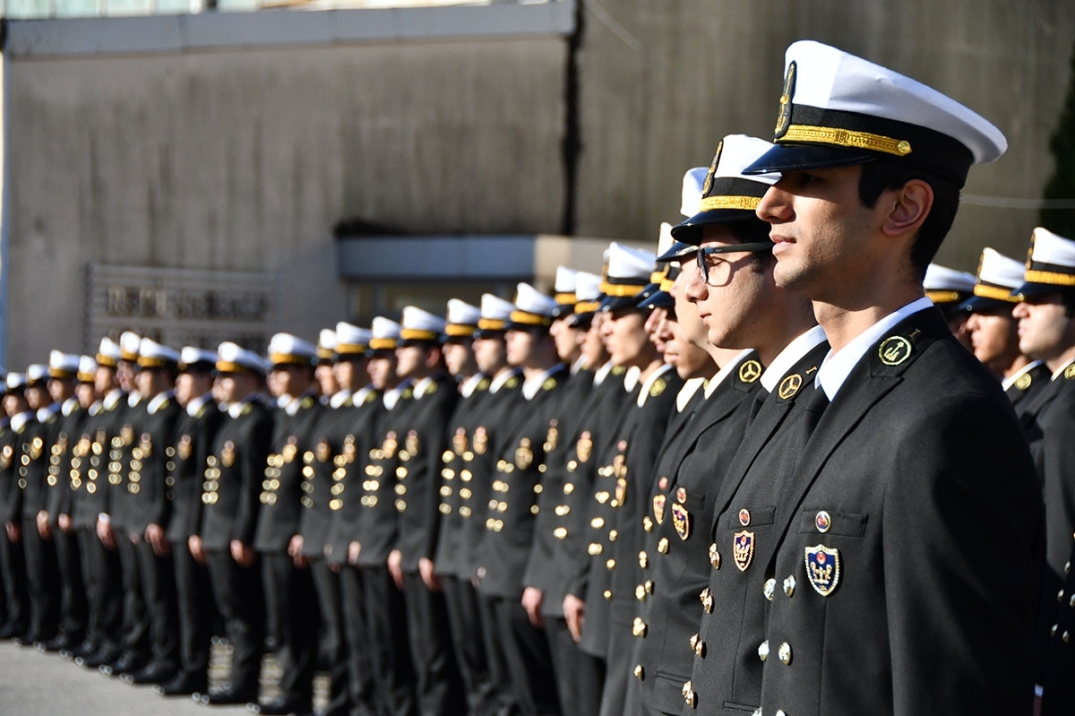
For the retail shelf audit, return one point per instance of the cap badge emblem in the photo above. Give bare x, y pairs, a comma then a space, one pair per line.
783, 119
712, 170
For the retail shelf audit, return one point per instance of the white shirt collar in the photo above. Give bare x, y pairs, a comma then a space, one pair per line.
159, 400
792, 354
359, 396
690, 387
422, 386
236, 409
18, 422
1010, 380
837, 366
724, 372
339, 398
601, 373
391, 397
195, 406
630, 378
97, 407
532, 385
112, 399
1060, 371
502, 378
134, 398
650, 380
45, 413
578, 365
69, 406
470, 385
295, 404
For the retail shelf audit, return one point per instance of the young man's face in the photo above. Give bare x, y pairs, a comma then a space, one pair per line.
567, 338
994, 335
86, 394
729, 302
520, 345
821, 231
1045, 329
593, 344
625, 336
381, 368
489, 354
457, 356
104, 380
325, 375
410, 359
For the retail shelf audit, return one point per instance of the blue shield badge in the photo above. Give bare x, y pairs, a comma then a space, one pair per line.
823, 569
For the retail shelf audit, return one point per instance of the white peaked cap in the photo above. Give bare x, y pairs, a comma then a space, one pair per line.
627, 263
154, 355
36, 372
108, 353
129, 343
565, 279
15, 381
285, 348
942, 278
692, 190
384, 334
327, 339
1050, 248
588, 290
461, 313
62, 365
87, 368
996, 268
495, 313
665, 240
532, 308
350, 339
191, 355
420, 325
232, 358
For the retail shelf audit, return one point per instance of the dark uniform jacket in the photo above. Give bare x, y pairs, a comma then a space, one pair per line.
122, 506
350, 431
33, 466
729, 617
914, 517
467, 416
417, 478
377, 524
1025, 389
234, 470
288, 476
11, 441
151, 464
194, 435
69, 422
516, 487
477, 472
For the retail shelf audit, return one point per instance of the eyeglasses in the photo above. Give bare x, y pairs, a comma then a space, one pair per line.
703, 252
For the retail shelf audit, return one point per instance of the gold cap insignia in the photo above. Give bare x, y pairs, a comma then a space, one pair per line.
790, 386
750, 371
1023, 382
783, 118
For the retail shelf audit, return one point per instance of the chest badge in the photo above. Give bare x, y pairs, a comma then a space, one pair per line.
658, 508
823, 569
743, 549
681, 519
894, 350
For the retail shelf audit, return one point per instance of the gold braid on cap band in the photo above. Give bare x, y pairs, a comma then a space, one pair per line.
325, 353
530, 319
846, 138
1049, 277
128, 356
566, 299
106, 361
943, 296
459, 330
227, 366
151, 362
418, 334
999, 293
288, 359
85, 377
382, 344
490, 324
61, 374
620, 290
350, 349
746, 203
587, 306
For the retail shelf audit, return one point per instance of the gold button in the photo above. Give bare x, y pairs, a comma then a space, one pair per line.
707, 600
560, 533
608, 595
638, 628
640, 673
770, 589
649, 586
789, 586
662, 545
610, 564
640, 593
785, 653
689, 696
643, 560
763, 650
714, 556
699, 649
647, 523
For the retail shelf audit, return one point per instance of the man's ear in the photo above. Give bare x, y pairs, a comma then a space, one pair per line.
910, 205
433, 357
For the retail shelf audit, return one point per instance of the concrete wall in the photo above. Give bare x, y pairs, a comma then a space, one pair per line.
662, 85
246, 159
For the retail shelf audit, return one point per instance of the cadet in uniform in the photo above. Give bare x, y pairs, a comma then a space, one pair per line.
473, 385
376, 535
1047, 332
948, 289
12, 561
993, 330
235, 468
195, 431
287, 487
513, 504
916, 482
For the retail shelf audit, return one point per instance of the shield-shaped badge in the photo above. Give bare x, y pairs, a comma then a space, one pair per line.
681, 518
823, 568
658, 508
743, 549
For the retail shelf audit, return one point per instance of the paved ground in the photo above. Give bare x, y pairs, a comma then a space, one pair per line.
37, 684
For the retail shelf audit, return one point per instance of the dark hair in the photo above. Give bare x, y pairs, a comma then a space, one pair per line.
1068, 299
882, 175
